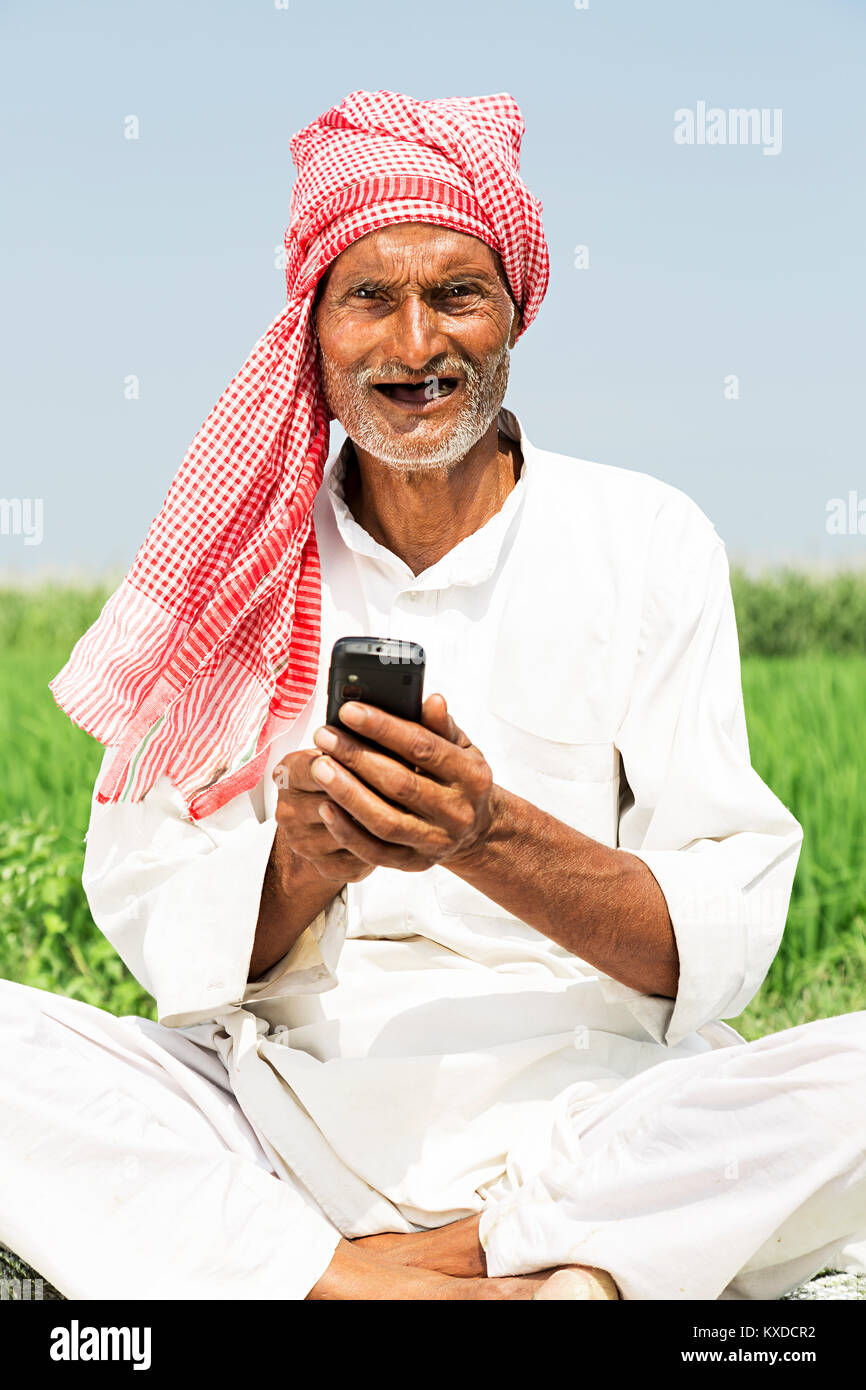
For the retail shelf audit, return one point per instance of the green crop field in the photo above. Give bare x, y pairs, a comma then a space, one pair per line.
804, 680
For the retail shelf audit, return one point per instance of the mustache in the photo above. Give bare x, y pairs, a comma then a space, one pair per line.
439, 368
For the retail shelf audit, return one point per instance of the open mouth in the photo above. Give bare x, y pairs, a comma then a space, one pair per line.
419, 393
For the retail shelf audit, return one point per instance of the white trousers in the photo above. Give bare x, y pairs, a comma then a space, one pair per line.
127, 1169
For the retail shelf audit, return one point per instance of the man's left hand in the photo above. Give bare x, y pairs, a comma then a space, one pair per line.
444, 809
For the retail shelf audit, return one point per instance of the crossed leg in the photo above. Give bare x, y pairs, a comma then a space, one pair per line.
735, 1174
127, 1170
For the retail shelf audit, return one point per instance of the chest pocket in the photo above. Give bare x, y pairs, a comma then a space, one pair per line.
578, 783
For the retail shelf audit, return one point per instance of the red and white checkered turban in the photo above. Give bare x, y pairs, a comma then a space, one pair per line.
209, 648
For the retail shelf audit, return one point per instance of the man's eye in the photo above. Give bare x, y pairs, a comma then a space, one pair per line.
458, 291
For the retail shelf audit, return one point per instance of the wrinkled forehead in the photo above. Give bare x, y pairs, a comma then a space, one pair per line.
409, 250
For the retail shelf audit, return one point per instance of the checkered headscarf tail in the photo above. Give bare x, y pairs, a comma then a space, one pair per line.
210, 645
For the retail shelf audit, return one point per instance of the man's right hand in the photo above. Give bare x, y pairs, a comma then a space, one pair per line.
302, 829
306, 869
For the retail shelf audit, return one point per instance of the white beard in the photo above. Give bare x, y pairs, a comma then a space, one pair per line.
348, 396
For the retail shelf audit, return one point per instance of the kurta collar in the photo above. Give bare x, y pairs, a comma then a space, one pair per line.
472, 560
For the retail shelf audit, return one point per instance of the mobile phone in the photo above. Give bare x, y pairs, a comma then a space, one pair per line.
383, 671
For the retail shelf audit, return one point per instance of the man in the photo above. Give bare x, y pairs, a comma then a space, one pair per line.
430, 1033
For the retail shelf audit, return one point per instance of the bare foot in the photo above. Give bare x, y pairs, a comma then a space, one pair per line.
359, 1275
578, 1282
455, 1250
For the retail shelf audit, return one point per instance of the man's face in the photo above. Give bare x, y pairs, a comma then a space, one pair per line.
415, 323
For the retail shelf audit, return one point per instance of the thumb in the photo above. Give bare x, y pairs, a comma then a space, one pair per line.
435, 716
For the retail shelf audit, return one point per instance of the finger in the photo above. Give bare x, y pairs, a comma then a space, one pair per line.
420, 746
435, 715
369, 848
342, 866
384, 821
395, 782
297, 813
293, 773
311, 839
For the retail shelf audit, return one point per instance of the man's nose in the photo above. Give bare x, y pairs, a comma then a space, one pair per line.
415, 335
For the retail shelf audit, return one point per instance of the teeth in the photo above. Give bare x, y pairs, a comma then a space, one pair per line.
422, 388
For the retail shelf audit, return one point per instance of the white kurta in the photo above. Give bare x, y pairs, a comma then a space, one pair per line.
403, 1064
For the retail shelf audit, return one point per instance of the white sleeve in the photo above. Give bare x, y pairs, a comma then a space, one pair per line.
179, 901
721, 845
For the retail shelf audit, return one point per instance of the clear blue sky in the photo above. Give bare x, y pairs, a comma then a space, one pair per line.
155, 257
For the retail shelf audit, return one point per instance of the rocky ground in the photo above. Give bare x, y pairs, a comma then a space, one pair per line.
831, 1284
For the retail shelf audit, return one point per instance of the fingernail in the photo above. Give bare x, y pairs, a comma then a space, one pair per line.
351, 714
324, 738
322, 770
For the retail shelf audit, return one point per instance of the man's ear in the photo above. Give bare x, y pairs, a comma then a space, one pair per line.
317, 298
516, 325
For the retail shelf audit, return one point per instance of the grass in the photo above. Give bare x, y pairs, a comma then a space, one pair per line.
806, 712
807, 732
